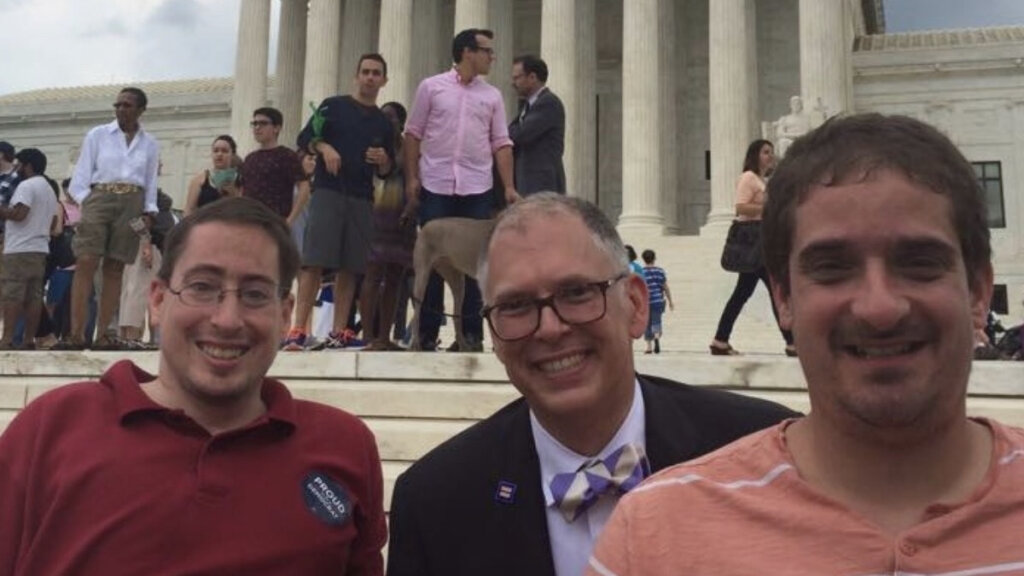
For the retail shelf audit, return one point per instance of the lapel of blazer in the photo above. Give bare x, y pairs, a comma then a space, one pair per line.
526, 547
671, 436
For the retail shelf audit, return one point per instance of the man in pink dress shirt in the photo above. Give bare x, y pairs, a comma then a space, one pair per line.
455, 135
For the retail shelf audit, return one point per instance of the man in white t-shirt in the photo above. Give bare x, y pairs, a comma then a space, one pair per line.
31, 217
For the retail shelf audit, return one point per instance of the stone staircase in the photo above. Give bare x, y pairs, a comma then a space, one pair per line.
414, 401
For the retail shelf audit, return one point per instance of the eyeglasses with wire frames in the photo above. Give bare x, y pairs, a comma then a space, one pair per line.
260, 123
252, 295
574, 305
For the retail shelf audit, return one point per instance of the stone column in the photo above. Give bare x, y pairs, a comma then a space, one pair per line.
731, 123
358, 36
432, 54
323, 31
291, 61
668, 129
823, 62
568, 45
251, 59
641, 117
396, 46
501, 20
471, 14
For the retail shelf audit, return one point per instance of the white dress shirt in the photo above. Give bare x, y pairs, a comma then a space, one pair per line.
107, 158
572, 543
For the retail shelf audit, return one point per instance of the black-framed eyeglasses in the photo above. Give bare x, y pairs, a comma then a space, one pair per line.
259, 123
574, 305
253, 295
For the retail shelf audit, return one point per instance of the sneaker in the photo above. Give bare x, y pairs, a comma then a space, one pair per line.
295, 341
346, 339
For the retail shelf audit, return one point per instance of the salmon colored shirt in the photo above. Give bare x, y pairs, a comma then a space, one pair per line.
749, 190
745, 510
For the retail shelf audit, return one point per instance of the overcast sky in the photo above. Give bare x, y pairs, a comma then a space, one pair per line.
47, 43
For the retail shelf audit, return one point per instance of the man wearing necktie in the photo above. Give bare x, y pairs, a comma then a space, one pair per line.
538, 132
528, 490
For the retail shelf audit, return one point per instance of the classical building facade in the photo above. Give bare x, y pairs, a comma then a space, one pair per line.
662, 98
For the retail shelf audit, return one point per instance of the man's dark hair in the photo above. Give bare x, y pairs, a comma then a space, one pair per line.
376, 58
239, 211
855, 148
65, 183
33, 157
231, 142
140, 96
630, 252
533, 65
467, 39
273, 114
752, 160
7, 151
648, 256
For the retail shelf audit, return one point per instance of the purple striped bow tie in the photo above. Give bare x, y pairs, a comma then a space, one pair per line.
619, 473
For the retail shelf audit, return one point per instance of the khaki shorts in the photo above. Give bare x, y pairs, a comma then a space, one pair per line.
104, 230
21, 278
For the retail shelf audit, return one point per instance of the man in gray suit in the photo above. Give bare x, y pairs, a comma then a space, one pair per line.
538, 131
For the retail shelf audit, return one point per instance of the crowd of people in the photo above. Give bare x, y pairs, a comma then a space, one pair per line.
877, 255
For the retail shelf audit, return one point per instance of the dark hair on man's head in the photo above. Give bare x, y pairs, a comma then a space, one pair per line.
140, 96
752, 160
272, 114
648, 256
238, 211
856, 148
33, 157
231, 142
7, 151
376, 58
630, 252
467, 39
533, 65
65, 183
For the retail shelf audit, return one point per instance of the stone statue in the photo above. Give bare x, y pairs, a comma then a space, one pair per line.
793, 125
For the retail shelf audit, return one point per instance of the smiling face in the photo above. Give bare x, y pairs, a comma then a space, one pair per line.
881, 307
583, 371
218, 355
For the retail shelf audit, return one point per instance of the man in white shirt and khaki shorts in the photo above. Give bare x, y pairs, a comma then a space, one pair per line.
115, 183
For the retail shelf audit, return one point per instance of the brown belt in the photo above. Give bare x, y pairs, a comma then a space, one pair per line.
116, 188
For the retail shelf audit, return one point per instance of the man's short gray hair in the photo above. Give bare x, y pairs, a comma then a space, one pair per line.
602, 231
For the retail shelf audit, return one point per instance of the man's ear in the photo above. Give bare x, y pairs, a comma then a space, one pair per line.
157, 295
639, 301
981, 295
783, 304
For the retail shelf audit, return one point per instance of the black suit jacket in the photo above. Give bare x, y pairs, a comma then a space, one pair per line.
446, 518
539, 144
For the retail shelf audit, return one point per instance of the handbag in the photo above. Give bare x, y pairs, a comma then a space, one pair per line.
742, 251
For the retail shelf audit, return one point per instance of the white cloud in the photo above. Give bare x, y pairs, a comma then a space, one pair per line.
49, 43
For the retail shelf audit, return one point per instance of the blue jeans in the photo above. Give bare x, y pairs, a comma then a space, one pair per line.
433, 206
654, 321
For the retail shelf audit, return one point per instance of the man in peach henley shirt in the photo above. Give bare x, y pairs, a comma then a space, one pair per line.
876, 240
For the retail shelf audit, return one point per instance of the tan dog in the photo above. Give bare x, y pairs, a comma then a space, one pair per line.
452, 247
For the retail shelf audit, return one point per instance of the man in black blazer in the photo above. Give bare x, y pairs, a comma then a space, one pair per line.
538, 132
563, 310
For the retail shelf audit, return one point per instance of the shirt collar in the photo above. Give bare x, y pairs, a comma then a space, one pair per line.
533, 97
124, 379
114, 128
556, 458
